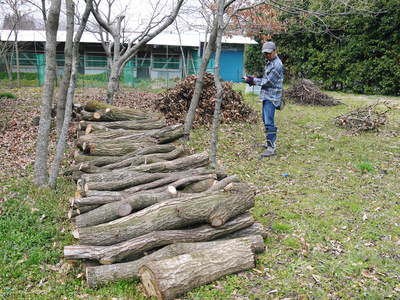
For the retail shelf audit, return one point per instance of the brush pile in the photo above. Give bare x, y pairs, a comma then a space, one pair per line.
175, 102
147, 209
365, 118
304, 91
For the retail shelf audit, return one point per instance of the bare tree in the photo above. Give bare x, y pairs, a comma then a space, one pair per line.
218, 84
121, 55
63, 89
6, 54
42, 152
61, 143
14, 20
181, 48
200, 78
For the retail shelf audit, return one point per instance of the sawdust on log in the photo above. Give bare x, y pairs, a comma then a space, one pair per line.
304, 91
175, 102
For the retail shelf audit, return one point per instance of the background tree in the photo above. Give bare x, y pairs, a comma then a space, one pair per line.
62, 137
63, 89
16, 17
357, 53
123, 53
210, 47
42, 144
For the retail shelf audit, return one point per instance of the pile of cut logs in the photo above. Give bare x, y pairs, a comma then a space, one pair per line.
146, 209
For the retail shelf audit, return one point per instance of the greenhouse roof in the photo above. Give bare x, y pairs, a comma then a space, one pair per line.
189, 39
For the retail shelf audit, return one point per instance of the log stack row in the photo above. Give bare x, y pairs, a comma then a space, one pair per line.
145, 208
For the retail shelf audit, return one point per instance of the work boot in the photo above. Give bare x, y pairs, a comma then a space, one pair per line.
269, 152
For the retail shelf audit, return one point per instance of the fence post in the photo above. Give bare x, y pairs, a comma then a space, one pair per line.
40, 64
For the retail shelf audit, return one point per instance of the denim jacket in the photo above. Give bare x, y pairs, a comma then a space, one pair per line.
272, 82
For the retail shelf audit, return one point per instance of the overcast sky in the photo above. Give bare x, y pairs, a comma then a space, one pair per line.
137, 12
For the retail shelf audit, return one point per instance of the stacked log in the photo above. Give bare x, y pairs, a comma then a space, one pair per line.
147, 208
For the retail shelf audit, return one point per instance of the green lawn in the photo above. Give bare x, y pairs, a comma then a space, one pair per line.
329, 199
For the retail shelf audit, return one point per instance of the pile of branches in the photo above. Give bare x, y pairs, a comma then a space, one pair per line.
145, 208
175, 102
304, 91
364, 118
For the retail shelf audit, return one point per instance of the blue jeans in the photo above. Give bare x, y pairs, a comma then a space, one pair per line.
268, 116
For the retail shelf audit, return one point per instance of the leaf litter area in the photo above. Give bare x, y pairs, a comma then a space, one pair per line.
19, 123
17, 134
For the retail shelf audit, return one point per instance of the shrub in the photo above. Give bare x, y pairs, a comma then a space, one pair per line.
7, 95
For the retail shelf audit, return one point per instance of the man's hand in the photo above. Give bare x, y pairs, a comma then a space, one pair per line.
249, 80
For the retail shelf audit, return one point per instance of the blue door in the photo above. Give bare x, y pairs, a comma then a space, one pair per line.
232, 65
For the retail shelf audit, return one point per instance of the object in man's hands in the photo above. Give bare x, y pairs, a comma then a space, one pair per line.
249, 80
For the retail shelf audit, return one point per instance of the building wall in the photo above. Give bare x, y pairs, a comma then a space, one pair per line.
153, 62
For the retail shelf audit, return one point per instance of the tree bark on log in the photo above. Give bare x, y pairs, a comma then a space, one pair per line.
114, 148
111, 211
167, 215
157, 136
141, 244
183, 163
103, 112
132, 176
81, 210
99, 275
168, 278
100, 161
127, 125
145, 198
146, 159
255, 229
115, 210
104, 197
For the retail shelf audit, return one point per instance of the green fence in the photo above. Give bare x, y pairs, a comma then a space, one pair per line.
156, 72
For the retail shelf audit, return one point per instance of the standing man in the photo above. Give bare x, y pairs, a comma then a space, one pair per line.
271, 94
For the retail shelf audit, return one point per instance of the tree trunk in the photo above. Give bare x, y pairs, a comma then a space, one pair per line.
218, 85
17, 59
200, 81
70, 97
155, 239
168, 278
99, 275
171, 214
41, 158
65, 83
113, 83
112, 86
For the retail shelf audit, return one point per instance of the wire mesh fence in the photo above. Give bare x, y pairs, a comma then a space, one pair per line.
94, 71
